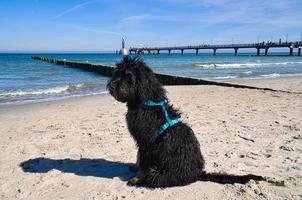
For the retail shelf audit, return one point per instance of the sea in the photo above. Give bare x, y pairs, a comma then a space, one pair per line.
24, 80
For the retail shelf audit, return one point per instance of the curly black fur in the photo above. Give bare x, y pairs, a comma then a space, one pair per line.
166, 160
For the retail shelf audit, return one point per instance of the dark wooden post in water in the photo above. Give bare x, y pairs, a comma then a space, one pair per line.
258, 51
291, 51
169, 50
182, 51
214, 52
196, 51
266, 51
299, 51
236, 51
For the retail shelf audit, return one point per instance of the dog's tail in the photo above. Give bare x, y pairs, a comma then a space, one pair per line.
229, 179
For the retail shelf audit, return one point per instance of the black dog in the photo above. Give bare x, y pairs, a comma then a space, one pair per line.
168, 151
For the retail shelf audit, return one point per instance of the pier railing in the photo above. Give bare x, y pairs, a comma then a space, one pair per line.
258, 46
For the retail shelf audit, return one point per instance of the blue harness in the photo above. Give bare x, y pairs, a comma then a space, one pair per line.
170, 122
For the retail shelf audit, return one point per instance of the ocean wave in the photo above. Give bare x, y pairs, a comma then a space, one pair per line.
245, 74
225, 77
240, 65
237, 75
27, 101
70, 88
274, 75
250, 75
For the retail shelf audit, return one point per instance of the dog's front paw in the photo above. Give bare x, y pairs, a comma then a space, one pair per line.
134, 181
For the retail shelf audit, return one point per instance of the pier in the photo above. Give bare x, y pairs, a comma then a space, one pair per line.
263, 46
165, 79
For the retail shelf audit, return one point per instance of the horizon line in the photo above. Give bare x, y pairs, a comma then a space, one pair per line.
114, 52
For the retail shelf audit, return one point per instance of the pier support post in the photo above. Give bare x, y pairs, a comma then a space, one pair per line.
291, 50
182, 51
299, 51
266, 51
236, 51
158, 51
258, 51
169, 50
214, 52
196, 51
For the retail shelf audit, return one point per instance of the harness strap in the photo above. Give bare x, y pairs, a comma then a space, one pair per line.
170, 122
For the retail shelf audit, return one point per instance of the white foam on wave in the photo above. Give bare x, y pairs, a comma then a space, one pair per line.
48, 91
274, 75
239, 75
247, 72
29, 101
239, 65
54, 90
225, 77
252, 77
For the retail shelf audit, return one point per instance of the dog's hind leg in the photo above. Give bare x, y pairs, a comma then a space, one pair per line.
145, 178
156, 179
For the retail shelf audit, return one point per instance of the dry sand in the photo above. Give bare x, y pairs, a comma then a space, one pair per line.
80, 147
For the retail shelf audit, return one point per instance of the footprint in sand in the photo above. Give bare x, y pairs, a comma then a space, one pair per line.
297, 137
286, 148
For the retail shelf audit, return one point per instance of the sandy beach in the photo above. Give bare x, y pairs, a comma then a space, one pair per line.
80, 148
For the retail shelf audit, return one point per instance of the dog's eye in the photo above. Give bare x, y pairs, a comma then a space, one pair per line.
128, 74
130, 77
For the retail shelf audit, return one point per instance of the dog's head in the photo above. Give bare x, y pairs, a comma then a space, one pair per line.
133, 81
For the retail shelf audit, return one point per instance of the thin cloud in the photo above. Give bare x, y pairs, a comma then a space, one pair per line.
73, 9
251, 13
98, 31
192, 3
135, 18
93, 30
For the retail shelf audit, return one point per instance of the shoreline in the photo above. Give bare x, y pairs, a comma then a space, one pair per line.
263, 82
279, 83
63, 98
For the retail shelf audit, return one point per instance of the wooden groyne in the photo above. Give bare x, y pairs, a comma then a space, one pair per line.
165, 79
99, 69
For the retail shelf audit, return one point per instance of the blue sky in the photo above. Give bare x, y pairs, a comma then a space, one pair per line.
99, 25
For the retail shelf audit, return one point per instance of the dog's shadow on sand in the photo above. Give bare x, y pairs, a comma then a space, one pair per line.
109, 169
83, 167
